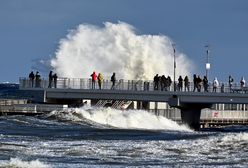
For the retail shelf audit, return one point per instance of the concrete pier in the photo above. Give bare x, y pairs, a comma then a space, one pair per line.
74, 91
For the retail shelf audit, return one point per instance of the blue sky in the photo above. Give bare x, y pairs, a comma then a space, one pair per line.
30, 30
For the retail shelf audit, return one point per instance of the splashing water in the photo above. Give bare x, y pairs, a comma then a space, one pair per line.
116, 48
129, 119
18, 163
235, 138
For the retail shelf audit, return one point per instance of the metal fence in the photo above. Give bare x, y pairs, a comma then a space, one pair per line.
206, 114
6, 102
122, 84
31, 108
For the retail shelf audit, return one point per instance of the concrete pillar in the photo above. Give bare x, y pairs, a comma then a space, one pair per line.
190, 112
156, 108
143, 105
191, 117
139, 105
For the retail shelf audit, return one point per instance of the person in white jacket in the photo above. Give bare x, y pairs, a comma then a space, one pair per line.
242, 82
215, 84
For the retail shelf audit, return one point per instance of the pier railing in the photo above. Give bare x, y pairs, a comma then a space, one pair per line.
207, 115
122, 84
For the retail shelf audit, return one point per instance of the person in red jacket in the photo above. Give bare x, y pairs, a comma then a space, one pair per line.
94, 78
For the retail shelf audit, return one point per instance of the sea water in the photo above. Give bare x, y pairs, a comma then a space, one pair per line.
104, 137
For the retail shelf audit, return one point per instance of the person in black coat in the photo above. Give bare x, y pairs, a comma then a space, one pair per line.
55, 77
31, 79
113, 80
50, 79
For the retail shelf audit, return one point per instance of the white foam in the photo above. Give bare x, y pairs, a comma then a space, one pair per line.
67, 115
18, 163
128, 119
117, 48
235, 137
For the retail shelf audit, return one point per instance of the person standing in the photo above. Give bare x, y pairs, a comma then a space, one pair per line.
230, 81
31, 78
93, 79
222, 88
163, 82
205, 84
242, 83
186, 83
50, 79
100, 80
113, 80
169, 82
156, 81
195, 82
55, 77
199, 83
37, 79
215, 84
180, 83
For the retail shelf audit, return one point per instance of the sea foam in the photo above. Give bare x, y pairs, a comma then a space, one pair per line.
124, 119
18, 163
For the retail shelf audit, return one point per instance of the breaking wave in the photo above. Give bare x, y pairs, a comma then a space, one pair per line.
117, 48
128, 119
18, 163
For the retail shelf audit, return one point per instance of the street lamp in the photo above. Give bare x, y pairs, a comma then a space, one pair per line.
207, 61
174, 50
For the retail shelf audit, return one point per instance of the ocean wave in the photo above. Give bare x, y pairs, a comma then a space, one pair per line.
238, 137
113, 118
18, 163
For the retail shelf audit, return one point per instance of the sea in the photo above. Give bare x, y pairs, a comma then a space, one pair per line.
105, 137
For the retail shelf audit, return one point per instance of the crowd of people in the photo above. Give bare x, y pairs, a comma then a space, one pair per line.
162, 82
35, 79
99, 78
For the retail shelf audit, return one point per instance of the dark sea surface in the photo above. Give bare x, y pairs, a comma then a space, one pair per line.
70, 140
104, 137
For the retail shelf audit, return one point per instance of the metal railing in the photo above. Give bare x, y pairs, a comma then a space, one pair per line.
206, 115
138, 85
6, 102
31, 108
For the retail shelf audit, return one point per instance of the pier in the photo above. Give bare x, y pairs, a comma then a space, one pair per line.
22, 107
76, 91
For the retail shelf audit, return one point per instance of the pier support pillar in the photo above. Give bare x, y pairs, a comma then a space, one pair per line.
190, 112
143, 105
191, 117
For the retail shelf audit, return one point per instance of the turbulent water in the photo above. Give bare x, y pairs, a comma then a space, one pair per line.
87, 137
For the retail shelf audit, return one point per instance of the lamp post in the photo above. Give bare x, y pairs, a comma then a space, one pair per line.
174, 77
207, 61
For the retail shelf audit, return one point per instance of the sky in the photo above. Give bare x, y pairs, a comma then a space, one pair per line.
30, 30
